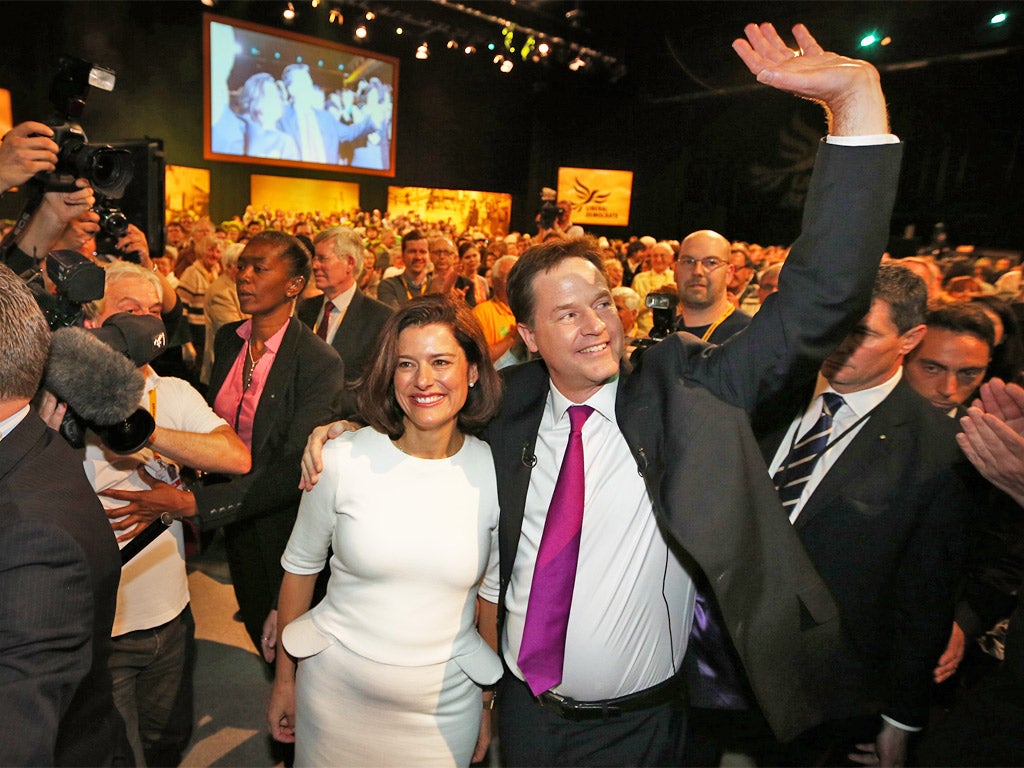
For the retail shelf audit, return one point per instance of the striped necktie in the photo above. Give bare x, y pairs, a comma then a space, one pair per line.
792, 476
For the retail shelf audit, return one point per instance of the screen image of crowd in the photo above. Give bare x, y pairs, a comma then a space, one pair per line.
446, 421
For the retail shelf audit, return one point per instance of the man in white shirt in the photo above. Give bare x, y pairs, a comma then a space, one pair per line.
153, 628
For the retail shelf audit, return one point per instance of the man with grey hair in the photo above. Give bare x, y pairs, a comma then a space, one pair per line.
153, 630
494, 315
344, 317
59, 569
316, 131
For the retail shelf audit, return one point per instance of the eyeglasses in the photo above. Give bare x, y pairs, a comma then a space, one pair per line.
710, 263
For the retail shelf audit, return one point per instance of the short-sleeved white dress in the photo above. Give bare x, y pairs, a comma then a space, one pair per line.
390, 662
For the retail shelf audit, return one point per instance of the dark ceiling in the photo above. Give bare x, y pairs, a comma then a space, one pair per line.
659, 50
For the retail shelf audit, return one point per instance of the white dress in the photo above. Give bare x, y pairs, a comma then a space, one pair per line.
390, 661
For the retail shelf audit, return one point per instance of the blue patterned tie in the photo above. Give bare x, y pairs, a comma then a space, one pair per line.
792, 476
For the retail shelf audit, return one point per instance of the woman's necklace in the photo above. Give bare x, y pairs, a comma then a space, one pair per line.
249, 367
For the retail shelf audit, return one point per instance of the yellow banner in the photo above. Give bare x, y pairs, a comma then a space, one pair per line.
597, 196
487, 212
293, 194
187, 190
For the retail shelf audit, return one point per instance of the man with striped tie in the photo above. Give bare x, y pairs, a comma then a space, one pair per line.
871, 478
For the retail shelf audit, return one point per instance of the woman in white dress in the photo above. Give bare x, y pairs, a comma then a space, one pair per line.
391, 666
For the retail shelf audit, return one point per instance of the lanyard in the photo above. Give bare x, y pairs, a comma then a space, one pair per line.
714, 326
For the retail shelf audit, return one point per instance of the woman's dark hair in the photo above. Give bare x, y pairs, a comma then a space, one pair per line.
467, 245
292, 251
375, 391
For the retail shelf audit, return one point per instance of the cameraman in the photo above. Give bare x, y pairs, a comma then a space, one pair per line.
153, 629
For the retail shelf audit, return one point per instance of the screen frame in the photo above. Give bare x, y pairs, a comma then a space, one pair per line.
306, 40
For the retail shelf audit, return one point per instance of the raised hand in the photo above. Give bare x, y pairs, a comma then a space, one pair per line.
849, 89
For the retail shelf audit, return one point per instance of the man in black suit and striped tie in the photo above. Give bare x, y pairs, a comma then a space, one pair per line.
872, 479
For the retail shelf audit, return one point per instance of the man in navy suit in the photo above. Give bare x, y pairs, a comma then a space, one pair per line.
881, 513
354, 319
59, 570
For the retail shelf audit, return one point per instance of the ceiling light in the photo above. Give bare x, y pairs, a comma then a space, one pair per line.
370, 15
498, 59
289, 13
399, 30
577, 64
506, 66
335, 17
423, 52
361, 32
452, 44
207, 3
315, 3
543, 49
469, 49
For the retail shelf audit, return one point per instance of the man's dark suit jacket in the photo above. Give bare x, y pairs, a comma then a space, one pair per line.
704, 474
885, 528
356, 335
59, 570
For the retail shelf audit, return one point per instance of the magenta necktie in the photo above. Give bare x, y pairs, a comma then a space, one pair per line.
542, 652
325, 320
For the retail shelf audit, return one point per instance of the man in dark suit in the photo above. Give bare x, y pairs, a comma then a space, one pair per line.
880, 504
59, 570
668, 450
414, 280
617, 699
353, 319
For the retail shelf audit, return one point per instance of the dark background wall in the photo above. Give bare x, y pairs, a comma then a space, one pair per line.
733, 158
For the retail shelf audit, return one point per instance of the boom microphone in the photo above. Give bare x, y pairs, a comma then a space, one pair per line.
97, 382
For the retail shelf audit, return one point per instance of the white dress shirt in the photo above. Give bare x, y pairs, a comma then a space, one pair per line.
847, 421
340, 302
632, 604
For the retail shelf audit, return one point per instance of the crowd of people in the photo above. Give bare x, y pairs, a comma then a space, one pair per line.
794, 529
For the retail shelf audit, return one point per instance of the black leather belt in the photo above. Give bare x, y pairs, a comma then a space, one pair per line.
571, 709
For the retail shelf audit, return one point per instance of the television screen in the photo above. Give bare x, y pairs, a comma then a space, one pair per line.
278, 98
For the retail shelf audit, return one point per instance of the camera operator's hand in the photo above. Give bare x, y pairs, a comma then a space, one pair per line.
46, 231
134, 241
51, 410
26, 150
144, 507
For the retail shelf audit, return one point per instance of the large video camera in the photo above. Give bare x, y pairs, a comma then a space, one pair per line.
550, 211
107, 170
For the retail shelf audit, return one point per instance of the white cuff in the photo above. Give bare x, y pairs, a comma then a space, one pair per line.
901, 726
868, 140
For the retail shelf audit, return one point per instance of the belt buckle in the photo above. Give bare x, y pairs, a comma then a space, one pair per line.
571, 709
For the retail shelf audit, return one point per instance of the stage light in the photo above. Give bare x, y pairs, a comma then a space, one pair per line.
315, 3
506, 66
577, 64
498, 59
289, 13
370, 15
335, 17
399, 30
423, 53
360, 32
469, 49
868, 40
452, 44
543, 49
885, 40
998, 19
207, 3
490, 46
